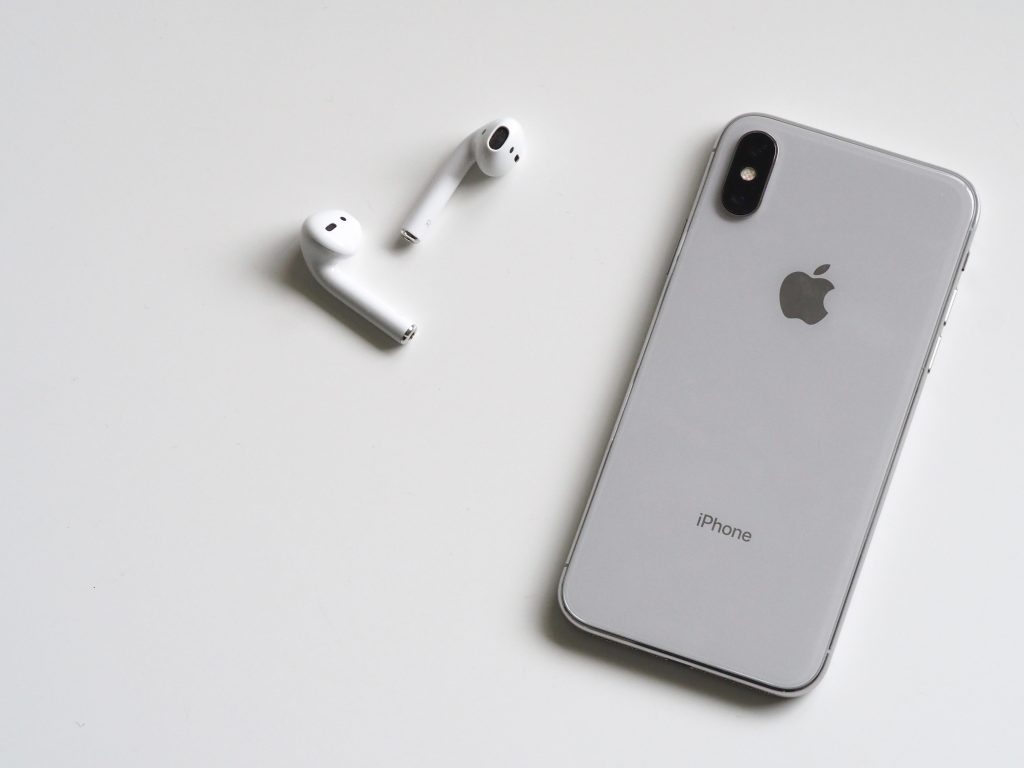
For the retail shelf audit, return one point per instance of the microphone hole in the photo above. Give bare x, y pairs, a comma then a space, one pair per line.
516, 158
331, 226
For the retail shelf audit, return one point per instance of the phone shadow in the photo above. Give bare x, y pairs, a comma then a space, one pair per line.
557, 628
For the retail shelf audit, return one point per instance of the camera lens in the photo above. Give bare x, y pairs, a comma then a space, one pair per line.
748, 173
757, 145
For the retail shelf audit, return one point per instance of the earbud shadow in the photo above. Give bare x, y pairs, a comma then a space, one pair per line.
553, 623
474, 178
291, 271
400, 245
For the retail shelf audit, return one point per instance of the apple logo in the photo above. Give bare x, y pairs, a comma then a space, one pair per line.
803, 296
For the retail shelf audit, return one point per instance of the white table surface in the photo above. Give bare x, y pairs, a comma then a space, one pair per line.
236, 529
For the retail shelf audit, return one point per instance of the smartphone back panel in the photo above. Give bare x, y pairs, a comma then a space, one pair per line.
753, 449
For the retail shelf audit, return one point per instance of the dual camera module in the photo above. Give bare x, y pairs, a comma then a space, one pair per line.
748, 174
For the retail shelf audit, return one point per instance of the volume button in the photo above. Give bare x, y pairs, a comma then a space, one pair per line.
935, 351
949, 309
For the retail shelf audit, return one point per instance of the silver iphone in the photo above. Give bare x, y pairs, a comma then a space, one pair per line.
752, 452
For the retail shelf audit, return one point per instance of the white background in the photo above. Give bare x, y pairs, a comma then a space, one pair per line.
238, 529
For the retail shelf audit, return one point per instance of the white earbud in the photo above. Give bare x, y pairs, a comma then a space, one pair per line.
329, 238
496, 148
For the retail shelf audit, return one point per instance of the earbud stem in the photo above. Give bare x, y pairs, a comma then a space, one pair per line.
424, 214
366, 303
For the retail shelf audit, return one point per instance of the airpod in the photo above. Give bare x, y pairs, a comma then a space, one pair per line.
496, 148
328, 239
